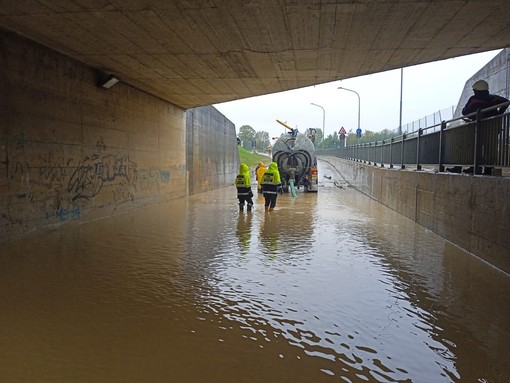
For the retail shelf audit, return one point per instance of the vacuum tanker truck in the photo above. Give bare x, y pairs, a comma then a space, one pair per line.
294, 153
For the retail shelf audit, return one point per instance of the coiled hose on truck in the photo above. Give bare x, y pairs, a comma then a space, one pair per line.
292, 157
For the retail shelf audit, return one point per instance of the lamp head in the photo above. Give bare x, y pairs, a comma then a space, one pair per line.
106, 81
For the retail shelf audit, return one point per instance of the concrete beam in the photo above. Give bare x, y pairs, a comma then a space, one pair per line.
183, 52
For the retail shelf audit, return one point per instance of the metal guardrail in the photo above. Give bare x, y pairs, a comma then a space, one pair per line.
484, 142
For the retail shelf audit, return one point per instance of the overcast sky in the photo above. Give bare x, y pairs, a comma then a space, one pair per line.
427, 88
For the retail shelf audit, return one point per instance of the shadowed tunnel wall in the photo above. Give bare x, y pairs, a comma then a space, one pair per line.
71, 152
211, 146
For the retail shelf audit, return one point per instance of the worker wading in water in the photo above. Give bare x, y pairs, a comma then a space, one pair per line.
271, 186
243, 186
259, 172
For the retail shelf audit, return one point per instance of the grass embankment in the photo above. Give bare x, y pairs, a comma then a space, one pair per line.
252, 159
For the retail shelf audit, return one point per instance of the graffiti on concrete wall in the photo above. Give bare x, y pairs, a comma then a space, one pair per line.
63, 213
149, 180
94, 171
53, 170
97, 170
165, 176
51, 183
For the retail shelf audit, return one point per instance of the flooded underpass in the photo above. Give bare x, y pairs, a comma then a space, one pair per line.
329, 287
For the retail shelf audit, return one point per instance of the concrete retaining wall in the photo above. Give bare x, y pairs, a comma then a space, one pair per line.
71, 152
471, 211
211, 147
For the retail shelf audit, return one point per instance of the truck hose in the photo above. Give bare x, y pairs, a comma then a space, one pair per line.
303, 155
306, 155
306, 158
292, 188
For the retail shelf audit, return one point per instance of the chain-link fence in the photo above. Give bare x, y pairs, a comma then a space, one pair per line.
428, 121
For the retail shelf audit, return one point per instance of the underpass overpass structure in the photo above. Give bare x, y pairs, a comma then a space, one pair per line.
201, 52
72, 151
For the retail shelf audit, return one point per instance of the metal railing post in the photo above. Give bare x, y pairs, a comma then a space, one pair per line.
441, 144
402, 166
418, 166
382, 154
477, 126
505, 139
391, 153
375, 153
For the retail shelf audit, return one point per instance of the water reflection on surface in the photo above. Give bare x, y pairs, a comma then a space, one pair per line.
329, 287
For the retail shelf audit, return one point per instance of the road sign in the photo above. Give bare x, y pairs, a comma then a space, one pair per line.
358, 132
342, 131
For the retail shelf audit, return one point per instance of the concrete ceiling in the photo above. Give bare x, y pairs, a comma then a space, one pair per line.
200, 52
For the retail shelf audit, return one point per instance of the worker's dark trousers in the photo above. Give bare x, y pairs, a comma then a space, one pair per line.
244, 194
270, 199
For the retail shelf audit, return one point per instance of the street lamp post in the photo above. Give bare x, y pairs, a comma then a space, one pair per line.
359, 104
323, 122
401, 87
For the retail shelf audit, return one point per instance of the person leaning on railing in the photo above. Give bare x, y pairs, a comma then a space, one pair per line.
482, 100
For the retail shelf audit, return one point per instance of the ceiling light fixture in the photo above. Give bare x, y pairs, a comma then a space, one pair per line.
108, 81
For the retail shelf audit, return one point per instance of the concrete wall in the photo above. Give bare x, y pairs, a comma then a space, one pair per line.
211, 147
71, 152
471, 211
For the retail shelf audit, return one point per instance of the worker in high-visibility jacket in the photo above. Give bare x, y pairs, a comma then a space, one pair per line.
243, 186
259, 172
271, 186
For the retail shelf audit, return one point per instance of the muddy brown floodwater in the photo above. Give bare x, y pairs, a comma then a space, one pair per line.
330, 287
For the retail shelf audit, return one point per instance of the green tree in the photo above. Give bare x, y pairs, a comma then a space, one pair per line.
318, 138
369, 136
332, 141
319, 135
262, 139
247, 136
